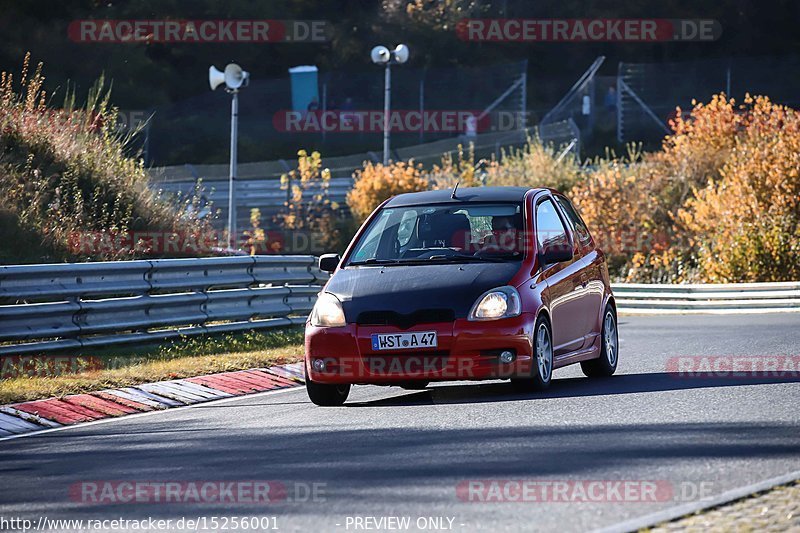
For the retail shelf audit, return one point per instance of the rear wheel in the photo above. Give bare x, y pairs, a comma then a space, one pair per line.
606, 364
326, 395
542, 367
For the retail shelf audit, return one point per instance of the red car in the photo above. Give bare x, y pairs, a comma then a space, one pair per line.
469, 284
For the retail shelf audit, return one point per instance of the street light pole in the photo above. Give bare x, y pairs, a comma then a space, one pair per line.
387, 99
232, 178
383, 56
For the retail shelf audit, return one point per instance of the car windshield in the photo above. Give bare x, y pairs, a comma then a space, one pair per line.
447, 233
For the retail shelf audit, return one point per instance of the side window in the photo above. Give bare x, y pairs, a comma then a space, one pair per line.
550, 231
577, 222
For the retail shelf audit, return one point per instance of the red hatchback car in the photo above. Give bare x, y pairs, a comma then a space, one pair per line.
469, 284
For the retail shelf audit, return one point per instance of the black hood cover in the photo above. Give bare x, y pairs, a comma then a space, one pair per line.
410, 290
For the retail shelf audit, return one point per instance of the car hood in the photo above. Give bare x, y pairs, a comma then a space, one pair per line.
408, 289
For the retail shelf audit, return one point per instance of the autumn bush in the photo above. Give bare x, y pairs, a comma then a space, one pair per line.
617, 197
720, 202
459, 167
542, 164
745, 221
309, 208
534, 163
376, 182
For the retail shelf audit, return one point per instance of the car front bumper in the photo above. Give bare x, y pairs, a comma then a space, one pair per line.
466, 351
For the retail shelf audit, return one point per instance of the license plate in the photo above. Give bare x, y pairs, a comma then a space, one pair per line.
404, 341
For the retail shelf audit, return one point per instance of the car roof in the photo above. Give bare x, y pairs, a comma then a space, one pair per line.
463, 195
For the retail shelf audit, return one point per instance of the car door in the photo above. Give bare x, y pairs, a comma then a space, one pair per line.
592, 285
564, 282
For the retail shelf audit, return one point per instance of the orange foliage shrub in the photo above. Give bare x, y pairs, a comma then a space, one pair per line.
618, 199
536, 164
699, 145
452, 170
720, 202
376, 182
746, 223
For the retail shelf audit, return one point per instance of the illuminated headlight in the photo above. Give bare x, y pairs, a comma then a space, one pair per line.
327, 311
502, 302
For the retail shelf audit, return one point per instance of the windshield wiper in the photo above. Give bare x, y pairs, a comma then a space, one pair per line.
464, 257
374, 261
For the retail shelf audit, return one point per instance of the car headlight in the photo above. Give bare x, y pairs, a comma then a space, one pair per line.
327, 312
502, 302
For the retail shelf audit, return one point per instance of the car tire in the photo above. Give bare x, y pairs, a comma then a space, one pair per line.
542, 363
605, 365
414, 385
326, 395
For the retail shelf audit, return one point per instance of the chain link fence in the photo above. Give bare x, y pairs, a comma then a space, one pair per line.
648, 93
197, 129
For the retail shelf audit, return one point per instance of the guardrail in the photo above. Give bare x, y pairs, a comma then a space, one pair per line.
708, 298
78, 305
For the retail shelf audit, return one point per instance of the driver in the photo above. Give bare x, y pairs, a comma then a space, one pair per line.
504, 236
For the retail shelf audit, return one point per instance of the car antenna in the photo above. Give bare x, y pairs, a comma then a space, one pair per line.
453, 196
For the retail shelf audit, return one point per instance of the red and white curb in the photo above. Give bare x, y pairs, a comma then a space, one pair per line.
27, 417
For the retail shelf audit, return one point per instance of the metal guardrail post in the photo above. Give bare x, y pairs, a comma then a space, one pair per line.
73, 306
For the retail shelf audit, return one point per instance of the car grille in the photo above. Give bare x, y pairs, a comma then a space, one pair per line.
404, 321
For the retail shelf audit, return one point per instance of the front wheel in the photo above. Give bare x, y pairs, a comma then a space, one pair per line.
326, 395
606, 364
542, 367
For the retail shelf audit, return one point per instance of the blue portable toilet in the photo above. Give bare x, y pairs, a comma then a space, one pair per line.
304, 87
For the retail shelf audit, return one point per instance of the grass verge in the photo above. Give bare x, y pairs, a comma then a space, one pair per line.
126, 367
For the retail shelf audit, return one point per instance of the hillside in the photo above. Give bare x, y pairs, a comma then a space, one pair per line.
69, 191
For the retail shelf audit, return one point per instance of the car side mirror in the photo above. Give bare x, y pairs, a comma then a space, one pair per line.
329, 262
556, 254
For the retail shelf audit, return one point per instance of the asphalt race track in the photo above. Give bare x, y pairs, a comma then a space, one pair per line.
391, 452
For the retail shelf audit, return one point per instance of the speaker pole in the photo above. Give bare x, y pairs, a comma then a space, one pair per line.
232, 181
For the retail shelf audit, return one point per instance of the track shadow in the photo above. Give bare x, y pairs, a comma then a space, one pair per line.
573, 388
391, 462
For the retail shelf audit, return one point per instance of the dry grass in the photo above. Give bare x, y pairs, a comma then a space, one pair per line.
69, 170
192, 357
